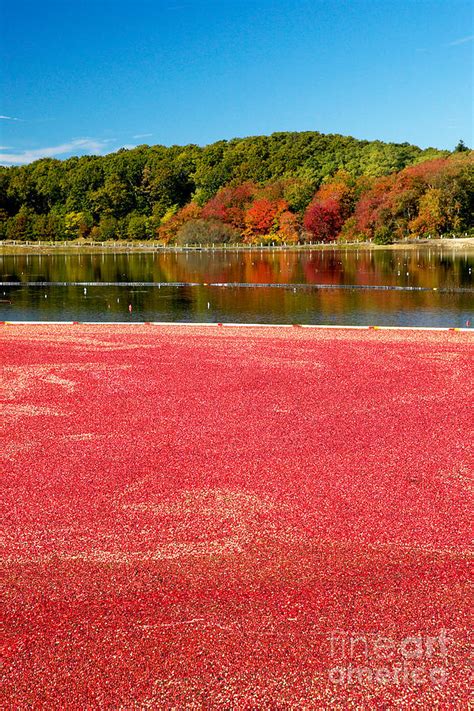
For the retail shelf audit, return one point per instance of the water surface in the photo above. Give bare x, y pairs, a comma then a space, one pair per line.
417, 287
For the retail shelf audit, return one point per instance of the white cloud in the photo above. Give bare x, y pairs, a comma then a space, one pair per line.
461, 40
10, 118
79, 145
142, 135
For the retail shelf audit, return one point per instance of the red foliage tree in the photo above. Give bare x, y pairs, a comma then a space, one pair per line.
332, 204
341, 187
372, 204
323, 219
229, 204
423, 198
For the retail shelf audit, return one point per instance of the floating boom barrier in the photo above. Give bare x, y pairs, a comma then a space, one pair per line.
240, 285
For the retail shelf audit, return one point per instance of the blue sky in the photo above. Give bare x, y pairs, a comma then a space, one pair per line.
90, 76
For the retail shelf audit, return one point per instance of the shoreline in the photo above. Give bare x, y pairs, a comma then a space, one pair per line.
181, 325
112, 246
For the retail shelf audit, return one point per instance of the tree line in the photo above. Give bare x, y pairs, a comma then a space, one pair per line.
287, 187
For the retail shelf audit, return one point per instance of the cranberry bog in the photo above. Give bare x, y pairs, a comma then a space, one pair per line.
234, 517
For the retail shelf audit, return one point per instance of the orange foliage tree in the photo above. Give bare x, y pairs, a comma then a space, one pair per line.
168, 231
262, 217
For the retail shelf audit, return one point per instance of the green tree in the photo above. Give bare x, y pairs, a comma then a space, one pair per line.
77, 224
384, 235
461, 147
114, 198
21, 226
137, 227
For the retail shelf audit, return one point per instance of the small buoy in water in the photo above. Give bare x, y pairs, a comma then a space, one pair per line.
130, 308
46, 296
208, 305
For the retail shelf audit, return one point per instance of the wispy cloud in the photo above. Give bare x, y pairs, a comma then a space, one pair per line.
461, 40
79, 145
142, 135
10, 118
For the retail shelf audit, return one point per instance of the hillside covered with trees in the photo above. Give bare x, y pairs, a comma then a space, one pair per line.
287, 187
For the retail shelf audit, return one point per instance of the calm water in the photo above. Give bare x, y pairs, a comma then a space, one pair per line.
427, 287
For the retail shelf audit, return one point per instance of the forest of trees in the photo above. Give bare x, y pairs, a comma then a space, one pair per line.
287, 187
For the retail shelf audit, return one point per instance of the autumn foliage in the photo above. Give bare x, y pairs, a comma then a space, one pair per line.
230, 204
430, 198
169, 229
133, 193
323, 219
263, 215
